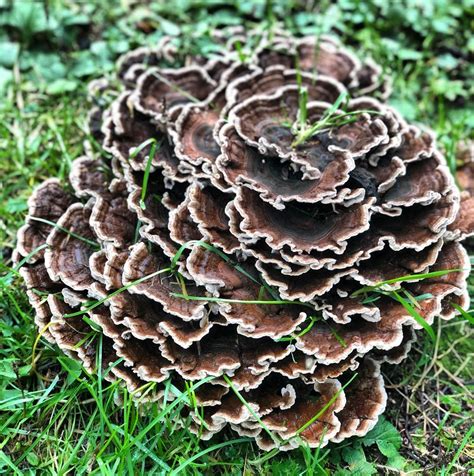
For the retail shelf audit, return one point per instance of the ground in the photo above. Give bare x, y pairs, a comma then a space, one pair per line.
57, 419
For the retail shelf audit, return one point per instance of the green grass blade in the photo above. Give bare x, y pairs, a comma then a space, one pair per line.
308, 133
465, 314
464, 442
406, 278
274, 437
218, 446
292, 337
221, 254
415, 314
118, 291
325, 408
238, 301
5, 280
65, 230
154, 146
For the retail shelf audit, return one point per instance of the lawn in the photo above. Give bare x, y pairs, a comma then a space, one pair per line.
55, 418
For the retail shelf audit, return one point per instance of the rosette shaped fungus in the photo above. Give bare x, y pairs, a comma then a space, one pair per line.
236, 229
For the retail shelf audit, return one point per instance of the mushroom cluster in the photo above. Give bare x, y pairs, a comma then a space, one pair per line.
223, 237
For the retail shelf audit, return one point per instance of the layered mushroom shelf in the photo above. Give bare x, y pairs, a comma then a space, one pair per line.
281, 184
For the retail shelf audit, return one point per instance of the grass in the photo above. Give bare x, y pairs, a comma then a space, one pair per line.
405, 298
55, 418
154, 145
328, 121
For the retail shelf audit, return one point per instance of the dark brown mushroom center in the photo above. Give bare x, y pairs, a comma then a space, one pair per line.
203, 139
361, 177
278, 134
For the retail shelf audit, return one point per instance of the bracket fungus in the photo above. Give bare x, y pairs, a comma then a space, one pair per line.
237, 226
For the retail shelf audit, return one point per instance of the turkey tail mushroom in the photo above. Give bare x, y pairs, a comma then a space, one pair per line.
237, 250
